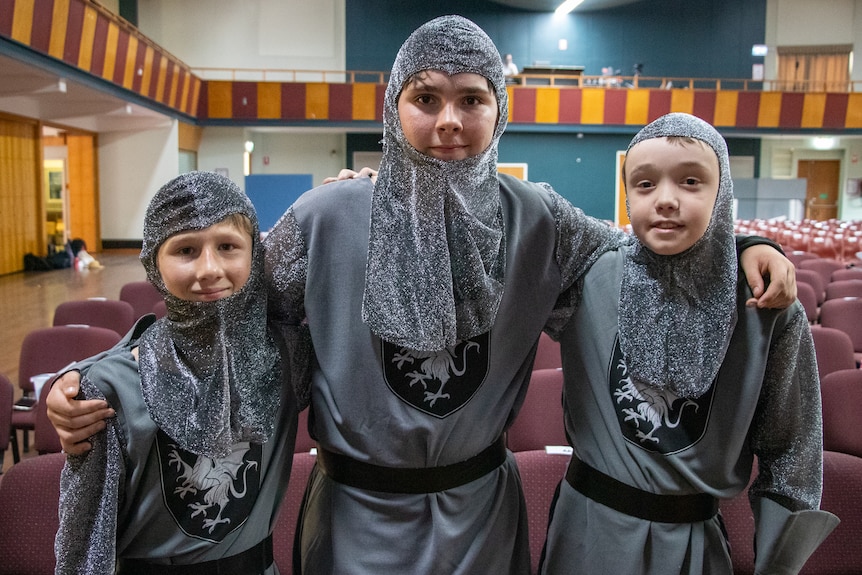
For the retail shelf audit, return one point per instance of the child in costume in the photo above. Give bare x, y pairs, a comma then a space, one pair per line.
673, 387
425, 293
193, 467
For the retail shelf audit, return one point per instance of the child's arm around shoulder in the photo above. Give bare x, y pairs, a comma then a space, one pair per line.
786, 436
763, 261
91, 492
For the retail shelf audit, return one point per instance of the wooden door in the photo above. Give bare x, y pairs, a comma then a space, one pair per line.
821, 197
83, 191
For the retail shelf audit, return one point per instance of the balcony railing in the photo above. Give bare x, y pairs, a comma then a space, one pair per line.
560, 81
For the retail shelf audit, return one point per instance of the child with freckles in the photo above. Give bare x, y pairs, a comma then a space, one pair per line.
189, 474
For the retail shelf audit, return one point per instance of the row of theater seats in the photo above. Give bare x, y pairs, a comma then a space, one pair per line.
833, 239
80, 329
28, 494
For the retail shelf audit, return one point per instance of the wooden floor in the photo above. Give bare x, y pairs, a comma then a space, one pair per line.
28, 299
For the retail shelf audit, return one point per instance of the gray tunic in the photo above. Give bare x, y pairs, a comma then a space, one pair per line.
764, 402
138, 491
397, 407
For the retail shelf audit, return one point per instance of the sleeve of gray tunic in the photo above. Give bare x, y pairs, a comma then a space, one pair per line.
286, 272
787, 438
580, 241
91, 489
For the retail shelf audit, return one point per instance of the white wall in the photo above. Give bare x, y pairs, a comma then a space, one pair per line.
812, 22
320, 153
132, 167
316, 153
222, 149
265, 34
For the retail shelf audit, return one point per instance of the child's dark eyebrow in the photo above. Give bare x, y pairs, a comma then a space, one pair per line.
421, 86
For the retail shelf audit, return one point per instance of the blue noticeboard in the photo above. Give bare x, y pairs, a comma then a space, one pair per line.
272, 194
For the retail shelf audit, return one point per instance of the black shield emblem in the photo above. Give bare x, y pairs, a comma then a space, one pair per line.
438, 383
654, 419
208, 498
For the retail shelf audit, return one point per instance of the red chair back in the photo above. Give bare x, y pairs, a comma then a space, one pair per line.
142, 295
833, 348
547, 354
304, 442
847, 274
7, 394
808, 299
288, 515
49, 350
111, 314
844, 314
813, 279
29, 499
541, 472
823, 266
844, 288
540, 420
45, 436
841, 552
841, 393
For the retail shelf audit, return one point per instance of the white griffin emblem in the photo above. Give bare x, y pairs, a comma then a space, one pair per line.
436, 365
653, 406
216, 478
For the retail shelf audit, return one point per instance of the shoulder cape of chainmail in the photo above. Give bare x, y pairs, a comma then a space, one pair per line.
210, 371
436, 252
677, 313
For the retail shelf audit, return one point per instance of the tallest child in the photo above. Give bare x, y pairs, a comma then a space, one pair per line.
426, 292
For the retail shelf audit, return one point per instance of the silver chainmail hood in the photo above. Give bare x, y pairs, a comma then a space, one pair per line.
209, 370
677, 312
436, 251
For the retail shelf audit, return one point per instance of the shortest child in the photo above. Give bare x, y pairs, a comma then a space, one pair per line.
673, 386
192, 469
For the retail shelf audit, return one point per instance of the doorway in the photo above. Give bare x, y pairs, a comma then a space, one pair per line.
821, 192
71, 156
56, 187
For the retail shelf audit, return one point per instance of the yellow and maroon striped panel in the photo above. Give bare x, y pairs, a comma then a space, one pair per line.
723, 108
92, 40
81, 35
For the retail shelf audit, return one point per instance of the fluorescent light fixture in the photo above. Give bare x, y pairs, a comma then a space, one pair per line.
567, 7
61, 85
759, 50
823, 143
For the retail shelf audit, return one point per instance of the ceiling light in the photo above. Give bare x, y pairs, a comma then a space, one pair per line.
823, 143
567, 7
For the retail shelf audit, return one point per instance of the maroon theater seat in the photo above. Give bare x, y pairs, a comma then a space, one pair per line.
540, 420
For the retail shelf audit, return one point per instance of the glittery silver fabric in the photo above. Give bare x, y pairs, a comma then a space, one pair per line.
677, 312
436, 258
209, 370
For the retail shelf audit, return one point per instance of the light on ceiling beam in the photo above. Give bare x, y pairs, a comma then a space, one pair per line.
823, 143
567, 7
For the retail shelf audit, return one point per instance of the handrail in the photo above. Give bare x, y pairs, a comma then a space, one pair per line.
557, 80
278, 75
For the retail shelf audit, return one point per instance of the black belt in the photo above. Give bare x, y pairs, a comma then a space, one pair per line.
252, 561
632, 501
349, 471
